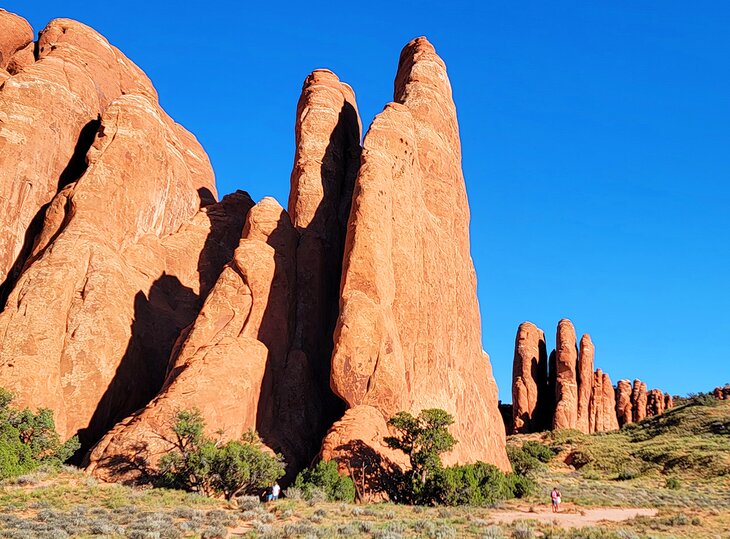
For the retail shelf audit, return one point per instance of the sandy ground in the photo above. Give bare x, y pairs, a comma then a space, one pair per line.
570, 517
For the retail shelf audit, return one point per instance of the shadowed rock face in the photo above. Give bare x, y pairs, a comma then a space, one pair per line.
223, 364
638, 401
528, 379
404, 341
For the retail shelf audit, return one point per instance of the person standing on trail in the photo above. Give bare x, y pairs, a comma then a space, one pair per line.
275, 490
555, 498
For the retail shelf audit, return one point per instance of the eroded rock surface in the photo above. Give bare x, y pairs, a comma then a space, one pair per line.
529, 371
404, 341
88, 328
566, 382
585, 383
50, 110
624, 411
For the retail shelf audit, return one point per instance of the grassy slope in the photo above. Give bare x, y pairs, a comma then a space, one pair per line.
678, 462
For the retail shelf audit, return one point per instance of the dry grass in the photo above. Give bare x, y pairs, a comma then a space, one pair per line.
694, 504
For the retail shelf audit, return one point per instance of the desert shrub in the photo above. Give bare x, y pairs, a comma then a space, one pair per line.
580, 458
475, 484
197, 463
520, 485
523, 463
626, 474
325, 477
539, 451
522, 530
247, 503
673, 483
29, 440
469, 484
423, 439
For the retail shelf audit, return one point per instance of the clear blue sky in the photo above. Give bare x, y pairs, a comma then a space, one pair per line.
596, 142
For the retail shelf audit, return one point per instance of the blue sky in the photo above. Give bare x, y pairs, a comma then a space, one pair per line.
596, 146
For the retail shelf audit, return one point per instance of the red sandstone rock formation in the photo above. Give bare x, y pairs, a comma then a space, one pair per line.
227, 360
623, 403
89, 324
599, 407
722, 393
668, 402
566, 383
585, 383
638, 401
50, 110
654, 402
326, 163
610, 421
16, 44
529, 360
293, 314
408, 233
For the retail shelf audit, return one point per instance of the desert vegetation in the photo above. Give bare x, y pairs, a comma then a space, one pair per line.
627, 468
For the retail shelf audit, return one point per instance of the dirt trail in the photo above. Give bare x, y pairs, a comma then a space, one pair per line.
570, 517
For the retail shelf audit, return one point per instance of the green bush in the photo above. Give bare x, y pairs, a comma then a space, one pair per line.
540, 451
626, 474
199, 464
523, 463
28, 440
475, 484
673, 483
325, 477
469, 484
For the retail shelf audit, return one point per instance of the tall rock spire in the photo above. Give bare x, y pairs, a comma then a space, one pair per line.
408, 335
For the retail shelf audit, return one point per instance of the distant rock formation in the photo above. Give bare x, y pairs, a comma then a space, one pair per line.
624, 408
566, 380
638, 401
570, 395
722, 392
585, 383
529, 361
